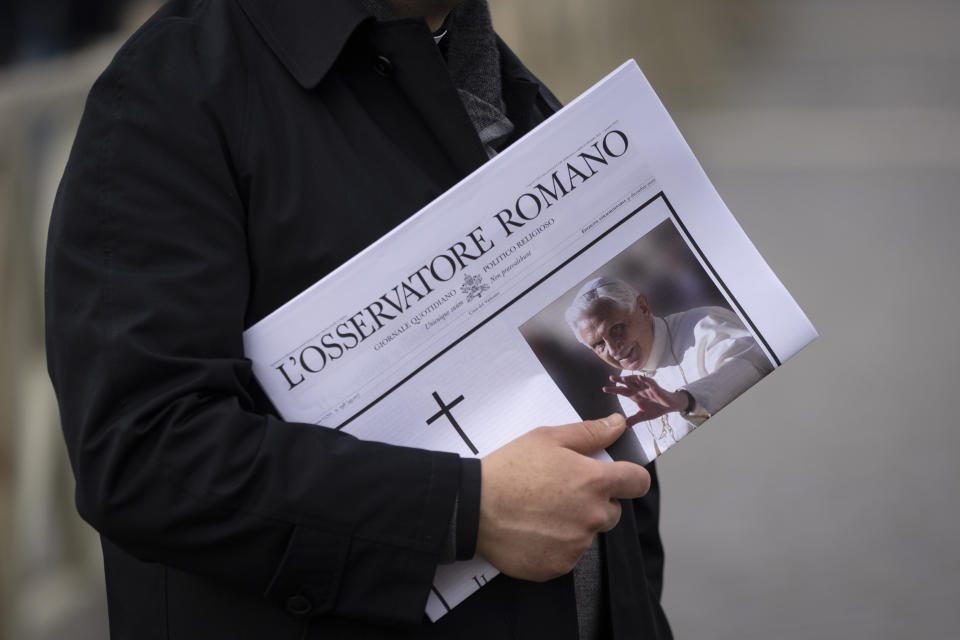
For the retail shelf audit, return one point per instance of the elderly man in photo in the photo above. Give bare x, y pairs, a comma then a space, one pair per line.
675, 371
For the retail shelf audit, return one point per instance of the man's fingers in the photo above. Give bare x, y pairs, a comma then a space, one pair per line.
635, 419
622, 391
627, 480
591, 435
613, 513
633, 381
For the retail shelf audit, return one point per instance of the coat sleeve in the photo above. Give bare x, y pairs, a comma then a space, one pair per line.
146, 290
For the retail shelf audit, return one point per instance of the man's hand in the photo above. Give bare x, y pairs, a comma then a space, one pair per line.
542, 499
652, 399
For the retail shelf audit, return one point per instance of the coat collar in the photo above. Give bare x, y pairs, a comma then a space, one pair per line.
307, 37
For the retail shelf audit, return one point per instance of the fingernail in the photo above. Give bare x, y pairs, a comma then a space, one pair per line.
611, 420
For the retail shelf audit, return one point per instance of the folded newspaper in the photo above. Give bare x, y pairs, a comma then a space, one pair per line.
589, 267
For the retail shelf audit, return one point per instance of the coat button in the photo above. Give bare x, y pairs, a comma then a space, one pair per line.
383, 65
298, 605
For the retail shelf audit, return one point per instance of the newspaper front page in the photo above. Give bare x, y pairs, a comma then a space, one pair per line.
495, 309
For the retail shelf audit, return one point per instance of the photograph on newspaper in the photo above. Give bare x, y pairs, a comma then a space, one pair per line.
651, 336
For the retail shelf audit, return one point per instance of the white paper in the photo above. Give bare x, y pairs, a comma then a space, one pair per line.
427, 347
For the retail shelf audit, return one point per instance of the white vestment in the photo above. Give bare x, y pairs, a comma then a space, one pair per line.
706, 351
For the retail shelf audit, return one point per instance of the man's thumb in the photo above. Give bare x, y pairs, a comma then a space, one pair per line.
591, 435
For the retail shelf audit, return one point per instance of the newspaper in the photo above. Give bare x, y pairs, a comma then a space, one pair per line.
488, 313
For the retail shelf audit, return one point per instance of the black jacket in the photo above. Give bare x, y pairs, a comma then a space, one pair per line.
234, 152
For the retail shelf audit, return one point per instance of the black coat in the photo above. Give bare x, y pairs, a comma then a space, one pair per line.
233, 153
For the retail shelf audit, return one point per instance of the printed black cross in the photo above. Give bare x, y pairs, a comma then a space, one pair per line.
445, 412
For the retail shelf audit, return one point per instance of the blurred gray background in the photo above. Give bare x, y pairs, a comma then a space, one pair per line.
823, 502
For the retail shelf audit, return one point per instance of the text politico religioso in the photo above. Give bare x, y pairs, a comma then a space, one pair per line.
415, 287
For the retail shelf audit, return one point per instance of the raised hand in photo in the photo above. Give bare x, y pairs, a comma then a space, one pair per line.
652, 399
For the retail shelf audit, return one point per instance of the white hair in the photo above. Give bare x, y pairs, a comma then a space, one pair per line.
597, 289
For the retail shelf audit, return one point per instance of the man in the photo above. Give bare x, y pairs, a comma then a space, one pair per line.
676, 371
233, 153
